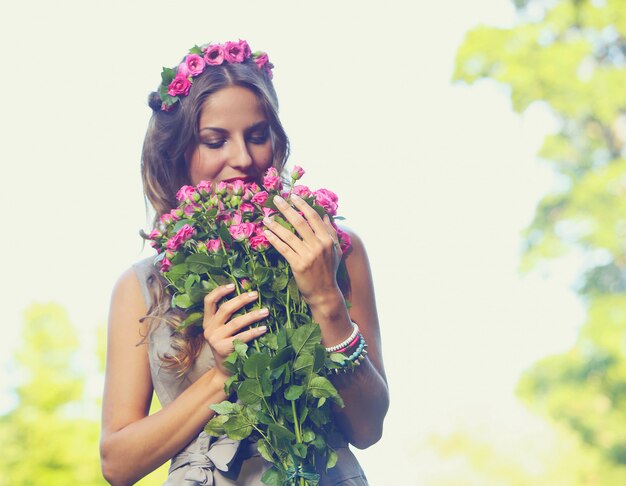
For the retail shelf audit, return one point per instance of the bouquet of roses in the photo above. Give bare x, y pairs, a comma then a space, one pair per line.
215, 237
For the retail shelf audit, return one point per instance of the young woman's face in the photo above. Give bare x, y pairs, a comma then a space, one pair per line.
234, 138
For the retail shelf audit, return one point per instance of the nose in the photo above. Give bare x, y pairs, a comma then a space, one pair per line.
240, 156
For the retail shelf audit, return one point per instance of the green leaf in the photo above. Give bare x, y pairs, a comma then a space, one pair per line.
294, 392
305, 338
319, 355
303, 365
321, 402
294, 292
225, 235
272, 477
337, 357
249, 392
167, 75
280, 432
215, 426
182, 301
331, 458
199, 262
256, 364
308, 435
319, 387
226, 407
300, 450
196, 50
241, 348
280, 282
281, 357
191, 319
237, 427
264, 449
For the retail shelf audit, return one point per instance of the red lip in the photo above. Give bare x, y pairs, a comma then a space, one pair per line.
241, 178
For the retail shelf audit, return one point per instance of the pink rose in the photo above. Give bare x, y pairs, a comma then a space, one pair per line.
233, 52
246, 208
238, 187
183, 70
272, 183
250, 190
327, 199
191, 208
261, 60
154, 234
236, 219
241, 231
195, 64
213, 246
179, 86
166, 218
259, 243
267, 212
271, 172
204, 187
302, 191
297, 173
185, 193
214, 55
245, 48
165, 265
222, 188
260, 198
345, 241
183, 234
245, 284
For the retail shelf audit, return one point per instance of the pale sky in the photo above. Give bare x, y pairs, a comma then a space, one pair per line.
437, 179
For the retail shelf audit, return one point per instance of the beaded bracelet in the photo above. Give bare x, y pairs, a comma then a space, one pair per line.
355, 357
355, 332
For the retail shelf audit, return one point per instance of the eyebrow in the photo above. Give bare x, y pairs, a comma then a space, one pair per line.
251, 128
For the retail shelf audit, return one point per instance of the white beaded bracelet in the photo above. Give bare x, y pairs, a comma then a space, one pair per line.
355, 331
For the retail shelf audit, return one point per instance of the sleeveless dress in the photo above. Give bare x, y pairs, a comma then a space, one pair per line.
218, 461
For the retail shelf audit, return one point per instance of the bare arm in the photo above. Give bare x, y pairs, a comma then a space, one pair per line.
364, 391
314, 259
132, 443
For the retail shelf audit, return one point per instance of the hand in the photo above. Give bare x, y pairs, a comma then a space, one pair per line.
220, 330
313, 253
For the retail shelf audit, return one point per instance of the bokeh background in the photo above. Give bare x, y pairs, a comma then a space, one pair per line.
478, 149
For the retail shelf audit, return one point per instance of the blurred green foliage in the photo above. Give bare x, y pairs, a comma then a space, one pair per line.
570, 56
51, 437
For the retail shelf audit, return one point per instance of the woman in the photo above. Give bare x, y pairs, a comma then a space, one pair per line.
215, 118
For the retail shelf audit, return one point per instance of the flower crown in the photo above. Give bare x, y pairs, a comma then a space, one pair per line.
176, 82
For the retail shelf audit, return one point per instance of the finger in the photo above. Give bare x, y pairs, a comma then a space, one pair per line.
234, 326
299, 223
285, 236
281, 247
231, 306
313, 219
332, 232
251, 334
212, 298
240, 322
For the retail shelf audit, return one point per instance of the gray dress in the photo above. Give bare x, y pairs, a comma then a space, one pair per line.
218, 461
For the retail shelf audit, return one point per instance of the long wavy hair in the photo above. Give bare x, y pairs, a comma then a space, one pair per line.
164, 169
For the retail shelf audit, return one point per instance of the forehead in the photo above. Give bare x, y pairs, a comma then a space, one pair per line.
231, 107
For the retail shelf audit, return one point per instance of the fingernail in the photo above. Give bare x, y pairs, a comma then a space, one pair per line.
263, 312
279, 199
254, 293
267, 220
295, 197
262, 328
230, 286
